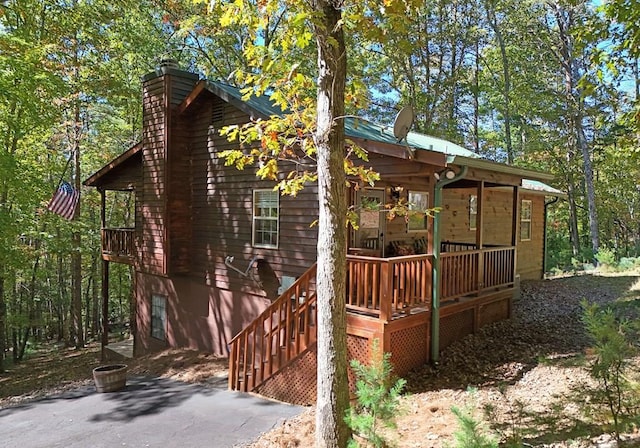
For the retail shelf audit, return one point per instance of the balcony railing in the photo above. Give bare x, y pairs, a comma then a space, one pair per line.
467, 272
118, 244
386, 287
389, 287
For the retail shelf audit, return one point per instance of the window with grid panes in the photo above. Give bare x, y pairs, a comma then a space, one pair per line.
525, 220
266, 210
159, 316
473, 211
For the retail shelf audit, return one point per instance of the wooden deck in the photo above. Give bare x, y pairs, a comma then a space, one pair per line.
389, 299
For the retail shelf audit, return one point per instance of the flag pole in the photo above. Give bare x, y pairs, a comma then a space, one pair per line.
66, 167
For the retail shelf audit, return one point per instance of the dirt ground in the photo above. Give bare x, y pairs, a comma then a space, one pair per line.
530, 373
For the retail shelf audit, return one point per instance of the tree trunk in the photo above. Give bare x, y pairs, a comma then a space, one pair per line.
506, 87
62, 299
573, 216
3, 320
333, 390
76, 239
591, 192
95, 294
476, 100
565, 19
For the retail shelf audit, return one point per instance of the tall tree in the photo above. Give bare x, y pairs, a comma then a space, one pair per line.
313, 129
333, 395
28, 86
321, 136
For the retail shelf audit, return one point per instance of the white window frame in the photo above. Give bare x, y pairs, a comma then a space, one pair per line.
159, 321
473, 211
418, 202
261, 218
525, 221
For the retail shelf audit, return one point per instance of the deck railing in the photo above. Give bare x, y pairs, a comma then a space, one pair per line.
118, 242
472, 271
385, 287
452, 246
283, 331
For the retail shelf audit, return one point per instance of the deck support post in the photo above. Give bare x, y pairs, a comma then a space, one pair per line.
480, 236
105, 278
514, 241
105, 308
435, 292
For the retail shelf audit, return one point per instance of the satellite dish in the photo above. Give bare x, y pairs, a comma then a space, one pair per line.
403, 122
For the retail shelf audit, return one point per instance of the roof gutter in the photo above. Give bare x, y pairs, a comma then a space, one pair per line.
500, 168
435, 266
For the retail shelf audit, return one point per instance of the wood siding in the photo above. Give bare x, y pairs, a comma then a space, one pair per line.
162, 189
497, 218
530, 262
410, 176
222, 212
153, 178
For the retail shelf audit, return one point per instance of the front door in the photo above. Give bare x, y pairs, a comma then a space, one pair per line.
369, 237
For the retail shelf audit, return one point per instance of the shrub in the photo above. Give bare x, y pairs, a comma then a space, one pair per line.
611, 366
378, 395
628, 263
606, 257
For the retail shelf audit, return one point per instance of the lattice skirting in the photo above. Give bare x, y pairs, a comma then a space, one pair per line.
408, 341
456, 326
468, 318
409, 348
296, 382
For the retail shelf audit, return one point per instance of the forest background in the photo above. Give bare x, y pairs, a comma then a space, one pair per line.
549, 85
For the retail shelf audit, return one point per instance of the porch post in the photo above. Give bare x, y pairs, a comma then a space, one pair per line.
105, 277
514, 239
105, 307
479, 219
480, 236
516, 216
435, 275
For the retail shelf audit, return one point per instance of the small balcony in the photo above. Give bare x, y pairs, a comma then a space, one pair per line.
118, 245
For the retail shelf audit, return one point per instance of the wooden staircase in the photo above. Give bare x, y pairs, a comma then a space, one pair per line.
284, 331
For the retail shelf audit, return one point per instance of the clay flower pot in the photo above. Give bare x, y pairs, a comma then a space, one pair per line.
110, 378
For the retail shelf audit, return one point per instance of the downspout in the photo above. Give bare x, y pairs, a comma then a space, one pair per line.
544, 234
435, 275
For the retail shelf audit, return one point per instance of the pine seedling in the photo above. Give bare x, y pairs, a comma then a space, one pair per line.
611, 365
378, 395
471, 432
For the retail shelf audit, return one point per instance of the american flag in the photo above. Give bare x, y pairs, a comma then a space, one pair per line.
65, 201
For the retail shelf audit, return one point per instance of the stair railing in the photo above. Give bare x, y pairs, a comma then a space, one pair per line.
283, 331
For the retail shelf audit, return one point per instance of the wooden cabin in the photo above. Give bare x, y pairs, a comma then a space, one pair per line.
226, 265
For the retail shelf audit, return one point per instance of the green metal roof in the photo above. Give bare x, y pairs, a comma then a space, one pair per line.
363, 129
354, 127
261, 104
537, 186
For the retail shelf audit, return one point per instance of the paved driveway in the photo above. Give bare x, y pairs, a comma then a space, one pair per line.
149, 412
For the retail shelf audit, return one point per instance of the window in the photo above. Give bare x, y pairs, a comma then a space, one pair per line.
473, 212
266, 209
418, 205
525, 220
158, 316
